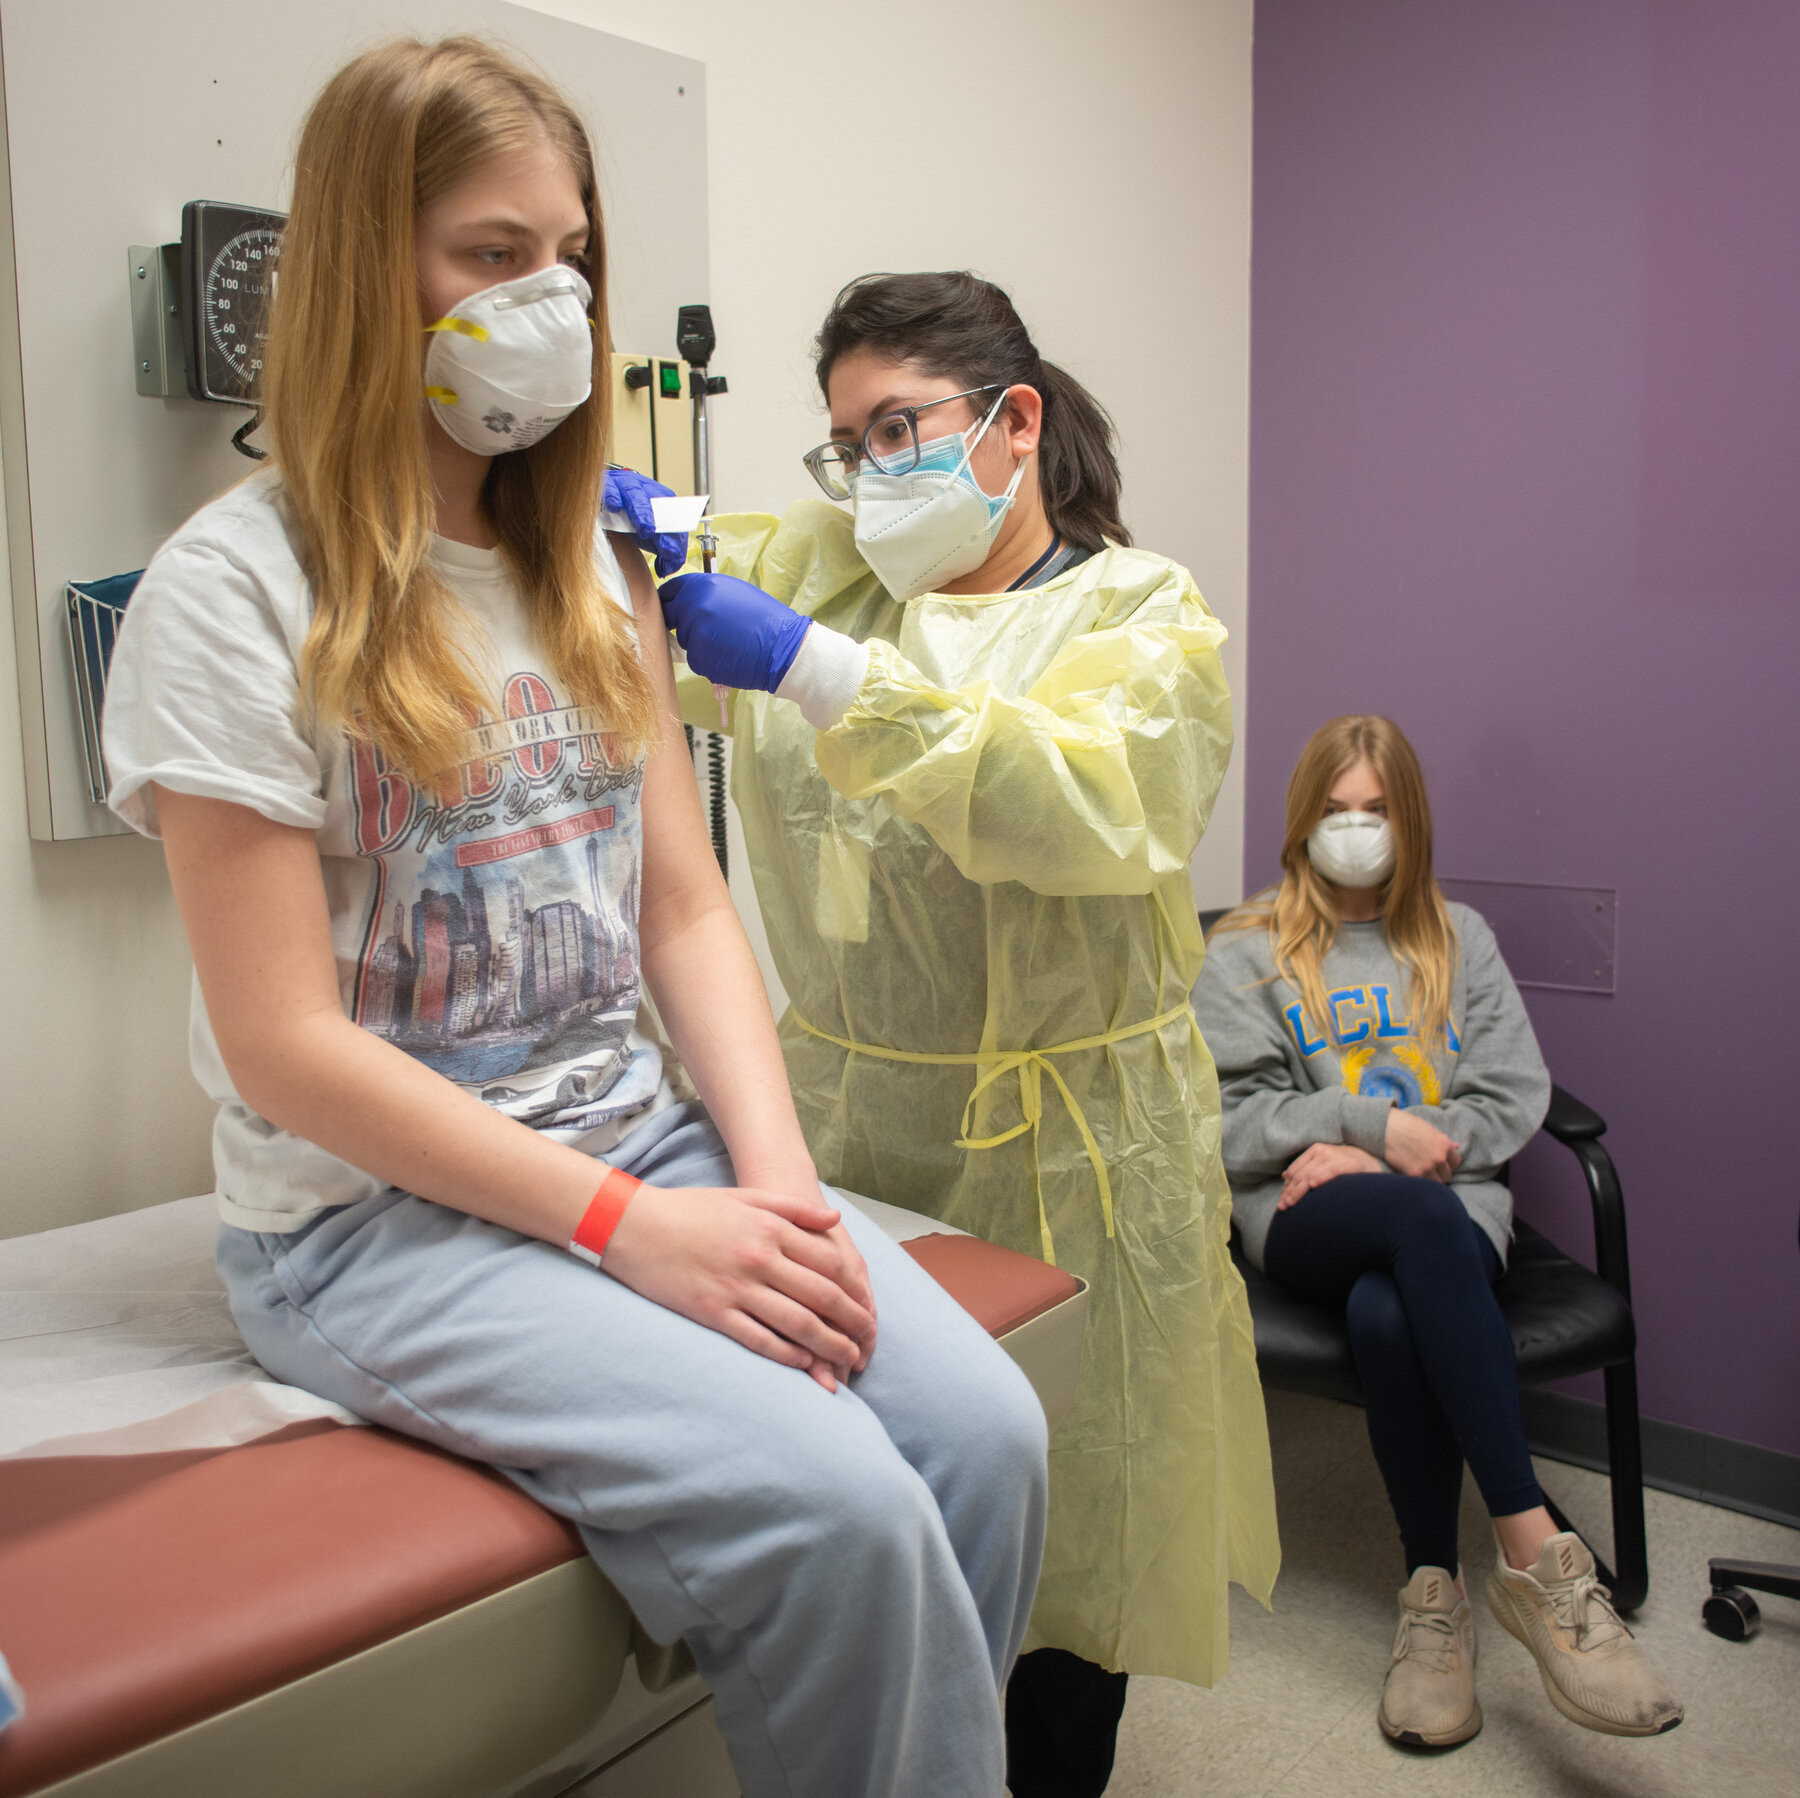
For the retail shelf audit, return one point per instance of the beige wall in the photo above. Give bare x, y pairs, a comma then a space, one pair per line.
98, 1112
1096, 164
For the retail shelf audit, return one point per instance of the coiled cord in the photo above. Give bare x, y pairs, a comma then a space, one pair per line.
715, 794
715, 790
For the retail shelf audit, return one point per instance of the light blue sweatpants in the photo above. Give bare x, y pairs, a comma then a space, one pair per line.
853, 1572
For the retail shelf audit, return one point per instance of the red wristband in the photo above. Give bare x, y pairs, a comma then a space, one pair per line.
602, 1216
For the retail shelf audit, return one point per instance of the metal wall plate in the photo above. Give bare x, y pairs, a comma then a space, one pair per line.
159, 363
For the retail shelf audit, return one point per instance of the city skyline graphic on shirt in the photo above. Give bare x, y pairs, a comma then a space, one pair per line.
502, 944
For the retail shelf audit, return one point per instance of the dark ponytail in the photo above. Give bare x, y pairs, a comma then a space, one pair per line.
953, 323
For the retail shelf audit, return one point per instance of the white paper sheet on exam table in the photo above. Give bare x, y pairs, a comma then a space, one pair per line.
115, 1339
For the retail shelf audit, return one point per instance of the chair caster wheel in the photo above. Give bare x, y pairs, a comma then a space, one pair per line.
1732, 1613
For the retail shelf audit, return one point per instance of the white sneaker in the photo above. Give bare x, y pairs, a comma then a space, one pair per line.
1592, 1668
1429, 1698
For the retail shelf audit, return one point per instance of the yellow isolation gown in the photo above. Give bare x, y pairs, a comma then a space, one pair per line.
989, 855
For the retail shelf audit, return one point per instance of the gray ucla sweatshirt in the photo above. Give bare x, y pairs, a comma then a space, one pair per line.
1285, 1085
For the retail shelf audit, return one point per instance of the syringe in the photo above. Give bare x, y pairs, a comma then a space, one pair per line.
709, 558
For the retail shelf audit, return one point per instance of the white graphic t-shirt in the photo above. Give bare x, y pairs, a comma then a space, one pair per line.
485, 924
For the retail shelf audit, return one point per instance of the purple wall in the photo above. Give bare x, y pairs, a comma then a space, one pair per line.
1525, 475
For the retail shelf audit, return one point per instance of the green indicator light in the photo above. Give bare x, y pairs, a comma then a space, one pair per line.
671, 379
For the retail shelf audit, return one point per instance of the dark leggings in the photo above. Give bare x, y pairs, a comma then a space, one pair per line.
1415, 1275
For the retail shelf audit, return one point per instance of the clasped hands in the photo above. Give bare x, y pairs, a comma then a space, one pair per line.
769, 1265
1413, 1147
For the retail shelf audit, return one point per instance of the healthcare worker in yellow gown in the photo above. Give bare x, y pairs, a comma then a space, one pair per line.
976, 740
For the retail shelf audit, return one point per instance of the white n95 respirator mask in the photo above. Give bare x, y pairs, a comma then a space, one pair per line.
1352, 849
507, 365
935, 522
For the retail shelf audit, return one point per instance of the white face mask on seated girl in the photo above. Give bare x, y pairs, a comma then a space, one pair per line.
1352, 849
508, 364
935, 522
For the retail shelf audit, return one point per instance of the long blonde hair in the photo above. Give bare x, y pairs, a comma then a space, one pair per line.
343, 389
1301, 915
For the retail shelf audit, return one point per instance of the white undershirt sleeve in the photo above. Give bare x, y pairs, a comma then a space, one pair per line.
824, 677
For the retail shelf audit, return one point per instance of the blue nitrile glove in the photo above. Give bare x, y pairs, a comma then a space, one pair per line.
630, 493
733, 633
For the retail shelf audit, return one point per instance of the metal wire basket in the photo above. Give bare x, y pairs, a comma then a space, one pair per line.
96, 609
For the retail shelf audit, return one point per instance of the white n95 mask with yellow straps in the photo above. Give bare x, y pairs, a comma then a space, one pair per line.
507, 365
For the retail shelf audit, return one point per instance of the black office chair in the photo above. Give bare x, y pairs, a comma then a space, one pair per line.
1564, 1318
1729, 1610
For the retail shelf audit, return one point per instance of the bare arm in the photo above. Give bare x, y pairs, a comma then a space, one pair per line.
697, 961
252, 896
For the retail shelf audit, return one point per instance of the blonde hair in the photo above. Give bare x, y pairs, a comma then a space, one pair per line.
343, 388
1301, 914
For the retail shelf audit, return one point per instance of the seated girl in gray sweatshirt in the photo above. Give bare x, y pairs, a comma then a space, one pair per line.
1377, 1071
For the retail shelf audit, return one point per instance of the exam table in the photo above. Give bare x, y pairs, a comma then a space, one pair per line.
214, 1584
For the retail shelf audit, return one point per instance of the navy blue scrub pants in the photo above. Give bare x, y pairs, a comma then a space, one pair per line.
1415, 1275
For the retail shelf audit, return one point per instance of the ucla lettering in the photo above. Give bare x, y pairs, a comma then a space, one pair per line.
1309, 1046
1391, 1028
1351, 996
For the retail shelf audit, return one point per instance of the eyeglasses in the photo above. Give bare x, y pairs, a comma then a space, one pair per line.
891, 443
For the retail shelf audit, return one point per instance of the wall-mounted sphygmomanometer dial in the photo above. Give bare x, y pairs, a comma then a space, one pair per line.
229, 256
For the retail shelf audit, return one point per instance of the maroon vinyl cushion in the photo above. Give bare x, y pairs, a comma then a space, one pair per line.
1000, 1288
207, 1585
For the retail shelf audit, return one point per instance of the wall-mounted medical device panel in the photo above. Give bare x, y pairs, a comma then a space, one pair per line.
114, 118
199, 307
633, 430
674, 417
653, 421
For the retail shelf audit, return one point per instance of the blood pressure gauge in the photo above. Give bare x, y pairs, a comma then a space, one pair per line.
228, 270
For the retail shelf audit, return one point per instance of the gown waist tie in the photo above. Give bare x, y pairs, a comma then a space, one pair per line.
1031, 1065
